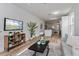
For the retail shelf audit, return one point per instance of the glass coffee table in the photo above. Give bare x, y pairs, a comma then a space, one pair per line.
40, 47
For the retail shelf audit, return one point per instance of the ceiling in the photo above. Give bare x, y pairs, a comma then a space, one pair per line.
46, 11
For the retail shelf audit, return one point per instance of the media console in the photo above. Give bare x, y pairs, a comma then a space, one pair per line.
14, 40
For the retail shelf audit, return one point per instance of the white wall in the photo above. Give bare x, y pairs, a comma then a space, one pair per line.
11, 11
76, 20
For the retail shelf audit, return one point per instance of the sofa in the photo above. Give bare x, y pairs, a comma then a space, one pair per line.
66, 48
70, 46
74, 42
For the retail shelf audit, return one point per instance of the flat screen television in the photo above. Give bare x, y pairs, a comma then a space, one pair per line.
12, 24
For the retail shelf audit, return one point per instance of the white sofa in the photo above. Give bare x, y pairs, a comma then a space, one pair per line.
74, 42
71, 46
67, 49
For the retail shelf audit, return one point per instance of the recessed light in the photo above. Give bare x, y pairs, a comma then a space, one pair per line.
56, 12
53, 18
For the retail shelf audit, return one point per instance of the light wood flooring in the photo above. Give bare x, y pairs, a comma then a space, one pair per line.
55, 38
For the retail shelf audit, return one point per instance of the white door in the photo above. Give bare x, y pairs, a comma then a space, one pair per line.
64, 26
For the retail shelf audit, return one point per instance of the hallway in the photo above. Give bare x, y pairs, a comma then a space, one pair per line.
55, 38
55, 45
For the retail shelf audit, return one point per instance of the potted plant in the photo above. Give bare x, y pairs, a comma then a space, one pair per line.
32, 27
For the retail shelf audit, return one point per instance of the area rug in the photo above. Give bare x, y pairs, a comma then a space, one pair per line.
54, 50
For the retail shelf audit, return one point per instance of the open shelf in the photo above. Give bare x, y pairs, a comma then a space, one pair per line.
14, 40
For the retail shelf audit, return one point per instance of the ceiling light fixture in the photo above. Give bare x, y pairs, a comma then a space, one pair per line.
56, 12
53, 18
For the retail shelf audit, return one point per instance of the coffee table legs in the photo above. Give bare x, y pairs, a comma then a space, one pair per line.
34, 53
47, 50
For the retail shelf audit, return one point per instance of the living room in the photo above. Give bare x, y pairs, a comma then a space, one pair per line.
53, 22
19, 14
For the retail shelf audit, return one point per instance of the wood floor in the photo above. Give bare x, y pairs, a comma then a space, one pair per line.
18, 49
55, 39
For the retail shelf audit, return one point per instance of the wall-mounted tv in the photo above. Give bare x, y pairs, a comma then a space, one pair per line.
12, 24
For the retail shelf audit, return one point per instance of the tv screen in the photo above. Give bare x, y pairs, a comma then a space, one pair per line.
12, 24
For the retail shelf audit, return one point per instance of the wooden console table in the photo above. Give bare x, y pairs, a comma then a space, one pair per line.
13, 40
